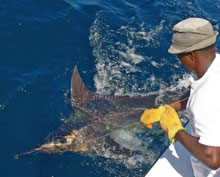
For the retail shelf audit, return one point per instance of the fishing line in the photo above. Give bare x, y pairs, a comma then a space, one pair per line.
179, 101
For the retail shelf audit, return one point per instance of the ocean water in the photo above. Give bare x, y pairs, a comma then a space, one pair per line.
120, 48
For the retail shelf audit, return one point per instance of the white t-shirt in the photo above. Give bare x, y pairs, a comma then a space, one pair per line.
203, 108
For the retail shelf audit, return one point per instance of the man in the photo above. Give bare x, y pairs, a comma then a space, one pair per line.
194, 43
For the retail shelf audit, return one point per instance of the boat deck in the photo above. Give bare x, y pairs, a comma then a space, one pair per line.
174, 162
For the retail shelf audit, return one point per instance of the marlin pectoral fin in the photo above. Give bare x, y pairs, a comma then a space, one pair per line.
76, 121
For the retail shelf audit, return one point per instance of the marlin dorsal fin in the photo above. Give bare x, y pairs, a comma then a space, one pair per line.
79, 92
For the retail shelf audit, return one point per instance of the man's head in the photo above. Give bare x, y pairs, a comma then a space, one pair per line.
194, 43
192, 34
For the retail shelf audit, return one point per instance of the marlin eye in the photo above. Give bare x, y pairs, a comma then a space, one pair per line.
63, 140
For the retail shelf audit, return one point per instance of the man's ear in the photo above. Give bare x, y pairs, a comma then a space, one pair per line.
192, 56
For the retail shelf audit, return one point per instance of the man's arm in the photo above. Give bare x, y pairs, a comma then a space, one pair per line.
180, 103
209, 155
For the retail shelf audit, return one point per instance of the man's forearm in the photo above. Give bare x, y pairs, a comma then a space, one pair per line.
209, 155
180, 103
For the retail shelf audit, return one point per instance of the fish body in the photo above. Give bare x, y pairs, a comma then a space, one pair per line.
100, 122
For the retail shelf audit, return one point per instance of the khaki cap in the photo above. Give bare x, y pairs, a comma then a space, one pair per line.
192, 34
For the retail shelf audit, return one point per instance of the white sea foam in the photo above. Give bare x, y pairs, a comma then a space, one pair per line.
2, 107
177, 89
155, 64
130, 54
134, 160
149, 36
126, 139
117, 62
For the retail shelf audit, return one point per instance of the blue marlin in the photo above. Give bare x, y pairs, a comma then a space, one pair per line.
101, 122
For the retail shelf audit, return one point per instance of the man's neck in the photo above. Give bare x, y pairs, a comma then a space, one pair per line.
204, 61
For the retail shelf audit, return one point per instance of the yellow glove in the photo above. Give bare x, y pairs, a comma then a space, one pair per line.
170, 123
151, 116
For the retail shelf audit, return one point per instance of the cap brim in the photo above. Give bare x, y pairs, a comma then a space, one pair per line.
176, 49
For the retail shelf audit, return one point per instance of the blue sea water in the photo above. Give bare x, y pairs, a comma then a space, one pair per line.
120, 48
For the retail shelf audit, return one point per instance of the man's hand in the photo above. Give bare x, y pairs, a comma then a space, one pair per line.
151, 116
170, 122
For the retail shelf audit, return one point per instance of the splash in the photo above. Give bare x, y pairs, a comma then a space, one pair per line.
126, 139
120, 54
124, 62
